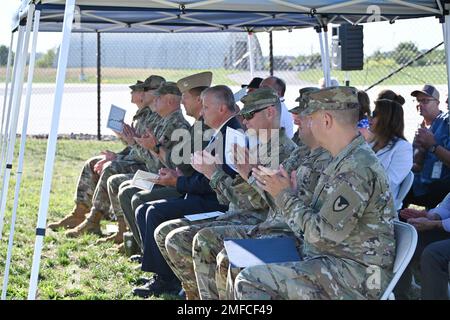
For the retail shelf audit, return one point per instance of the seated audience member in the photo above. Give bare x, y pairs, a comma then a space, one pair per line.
388, 141
253, 85
364, 113
347, 229
333, 83
433, 251
279, 86
431, 152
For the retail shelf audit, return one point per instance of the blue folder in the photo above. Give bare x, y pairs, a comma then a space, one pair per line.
244, 253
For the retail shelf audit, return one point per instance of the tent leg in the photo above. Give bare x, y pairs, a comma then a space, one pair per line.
23, 139
271, 52
5, 129
99, 84
322, 55
51, 146
17, 97
5, 97
446, 31
250, 50
327, 56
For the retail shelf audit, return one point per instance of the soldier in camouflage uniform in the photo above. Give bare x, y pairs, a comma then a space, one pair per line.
91, 171
167, 105
174, 238
130, 198
122, 163
208, 243
295, 115
348, 235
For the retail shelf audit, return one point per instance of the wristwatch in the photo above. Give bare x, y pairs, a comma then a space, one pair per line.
433, 148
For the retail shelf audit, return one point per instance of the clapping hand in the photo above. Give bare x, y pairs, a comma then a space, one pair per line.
204, 162
272, 181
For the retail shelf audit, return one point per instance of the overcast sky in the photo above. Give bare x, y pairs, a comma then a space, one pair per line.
425, 32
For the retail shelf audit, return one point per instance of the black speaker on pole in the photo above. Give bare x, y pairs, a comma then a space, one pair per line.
348, 47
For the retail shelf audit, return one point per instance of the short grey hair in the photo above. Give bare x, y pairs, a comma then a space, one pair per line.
222, 95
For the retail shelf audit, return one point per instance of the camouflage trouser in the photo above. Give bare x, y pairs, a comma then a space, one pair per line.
100, 200
87, 181
323, 277
174, 239
114, 182
206, 246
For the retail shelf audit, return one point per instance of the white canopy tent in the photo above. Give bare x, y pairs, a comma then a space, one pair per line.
162, 16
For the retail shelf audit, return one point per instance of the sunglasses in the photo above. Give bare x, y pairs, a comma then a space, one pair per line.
250, 115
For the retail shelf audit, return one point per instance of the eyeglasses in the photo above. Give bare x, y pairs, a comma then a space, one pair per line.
250, 115
424, 101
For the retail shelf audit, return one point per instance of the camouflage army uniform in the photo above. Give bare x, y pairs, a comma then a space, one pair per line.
246, 207
163, 132
175, 237
130, 197
208, 243
348, 233
88, 180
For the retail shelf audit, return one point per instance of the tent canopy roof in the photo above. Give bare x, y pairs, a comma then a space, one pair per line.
224, 15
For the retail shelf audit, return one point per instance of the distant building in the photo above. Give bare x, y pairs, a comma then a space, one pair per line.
165, 51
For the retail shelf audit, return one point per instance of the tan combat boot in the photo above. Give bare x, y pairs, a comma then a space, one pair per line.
90, 225
116, 237
73, 219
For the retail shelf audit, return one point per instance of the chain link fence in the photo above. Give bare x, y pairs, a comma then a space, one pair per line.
296, 59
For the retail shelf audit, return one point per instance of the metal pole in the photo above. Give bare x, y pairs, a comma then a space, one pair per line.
322, 55
327, 56
446, 31
37, 16
5, 122
8, 78
51, 146
99, 81
17, 97
250, 51
82, 76
271, 53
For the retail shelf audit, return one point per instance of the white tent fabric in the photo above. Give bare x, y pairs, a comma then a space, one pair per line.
183, 16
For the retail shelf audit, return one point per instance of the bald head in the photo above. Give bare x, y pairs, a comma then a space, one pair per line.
276, 84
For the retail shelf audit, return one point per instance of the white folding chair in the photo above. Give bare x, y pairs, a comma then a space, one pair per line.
403, 190
406, 242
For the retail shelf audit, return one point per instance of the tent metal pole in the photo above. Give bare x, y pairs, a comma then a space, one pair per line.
5, 131
322, 55
250, 51
446, 32
6, 113
23, 139
51, 146
7, 80
271, 53
99, 86
327, 56
15, 117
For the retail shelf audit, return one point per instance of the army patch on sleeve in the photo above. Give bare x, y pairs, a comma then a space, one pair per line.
340, 204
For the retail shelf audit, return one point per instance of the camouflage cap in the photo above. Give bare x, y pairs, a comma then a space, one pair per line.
332, 98
202, 79
259, 99
151, 83
167, 88
302, 99
135, 87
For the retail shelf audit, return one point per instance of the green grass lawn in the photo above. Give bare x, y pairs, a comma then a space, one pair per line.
435, 74
70, 268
